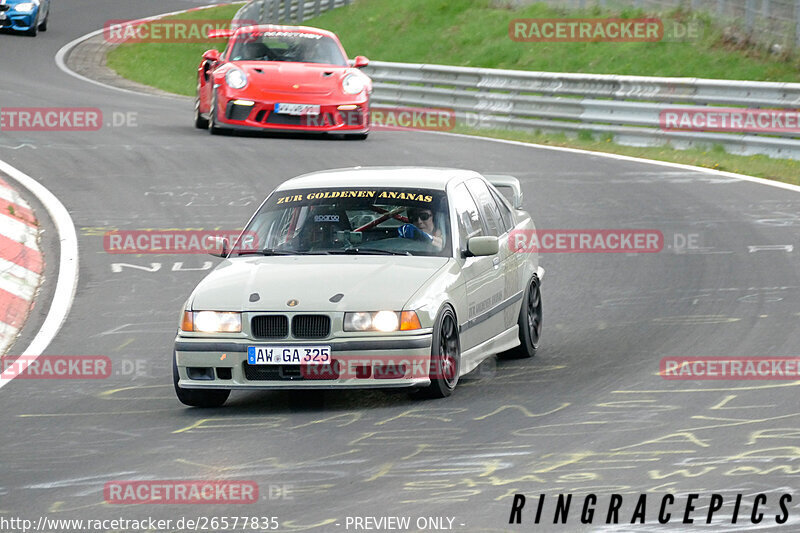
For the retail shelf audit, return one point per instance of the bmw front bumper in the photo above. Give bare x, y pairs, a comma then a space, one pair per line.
363, 362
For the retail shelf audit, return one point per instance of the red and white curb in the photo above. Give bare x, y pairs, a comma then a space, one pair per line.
21, 263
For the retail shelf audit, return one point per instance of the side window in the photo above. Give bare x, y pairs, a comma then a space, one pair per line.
469, 221
505, 211
489, 209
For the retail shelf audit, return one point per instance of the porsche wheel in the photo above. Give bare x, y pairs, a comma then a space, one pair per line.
530, 321
43, 25
212, 117
356, 137
198, 397
445, 356
200, 122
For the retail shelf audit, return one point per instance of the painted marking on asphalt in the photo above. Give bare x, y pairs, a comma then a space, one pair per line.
771, 248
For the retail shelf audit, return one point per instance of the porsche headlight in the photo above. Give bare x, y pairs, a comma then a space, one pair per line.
212, 321
385, 321
236, 78
25, 7
353, 83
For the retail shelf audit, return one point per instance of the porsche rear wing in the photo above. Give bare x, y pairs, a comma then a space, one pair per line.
509, 187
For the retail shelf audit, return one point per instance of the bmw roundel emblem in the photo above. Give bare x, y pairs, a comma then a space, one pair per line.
292, 303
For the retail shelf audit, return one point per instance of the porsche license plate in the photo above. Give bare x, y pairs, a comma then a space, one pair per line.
289, 355
297, 109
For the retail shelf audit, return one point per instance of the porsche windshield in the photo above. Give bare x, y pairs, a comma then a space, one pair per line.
363, 220
298, 47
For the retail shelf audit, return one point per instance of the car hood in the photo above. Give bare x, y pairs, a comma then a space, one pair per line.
367, 283
294, 78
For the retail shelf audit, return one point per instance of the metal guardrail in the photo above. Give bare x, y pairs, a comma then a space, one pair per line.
625, 108
285, 11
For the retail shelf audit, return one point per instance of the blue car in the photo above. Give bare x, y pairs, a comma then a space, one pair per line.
28, 16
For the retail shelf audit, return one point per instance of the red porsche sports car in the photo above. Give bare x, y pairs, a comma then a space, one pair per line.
282, 78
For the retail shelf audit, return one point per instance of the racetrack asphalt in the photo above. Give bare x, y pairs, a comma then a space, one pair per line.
588, 414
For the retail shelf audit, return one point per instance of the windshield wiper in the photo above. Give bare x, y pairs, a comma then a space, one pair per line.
369, 251
265, 251
273, 251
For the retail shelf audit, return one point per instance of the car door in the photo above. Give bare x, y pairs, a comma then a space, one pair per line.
483, 282
506, 262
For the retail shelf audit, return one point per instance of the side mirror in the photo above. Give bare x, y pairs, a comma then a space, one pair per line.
360, 62
217, 246
480, 246
211, 55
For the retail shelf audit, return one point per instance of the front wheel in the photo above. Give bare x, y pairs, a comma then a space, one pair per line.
530, 321
200, 122
198, 397
43, 25
212, 117
445, 356
34, 29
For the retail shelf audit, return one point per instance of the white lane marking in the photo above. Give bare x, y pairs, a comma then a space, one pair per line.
62, 53
771, 248
740, 177
18, 231
67, 281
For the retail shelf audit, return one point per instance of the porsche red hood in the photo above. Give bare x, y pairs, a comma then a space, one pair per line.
282, 77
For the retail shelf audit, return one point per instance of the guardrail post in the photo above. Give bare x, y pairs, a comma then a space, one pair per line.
317, 5
797, 22
301, 8
749, 15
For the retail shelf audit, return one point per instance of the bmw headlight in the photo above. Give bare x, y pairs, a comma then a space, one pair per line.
385, 321
353, 83
212, 321
236, 78
26, 7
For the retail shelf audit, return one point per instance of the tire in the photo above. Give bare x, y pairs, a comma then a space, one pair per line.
445, 356
357, 137
34, 29
198, 397
529, 322
200, 122
43, 25
212, 117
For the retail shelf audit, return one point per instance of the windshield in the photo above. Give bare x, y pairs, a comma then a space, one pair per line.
291, 46
370, 221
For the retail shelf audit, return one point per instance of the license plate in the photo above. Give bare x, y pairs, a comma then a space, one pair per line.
297, 109
289, 355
